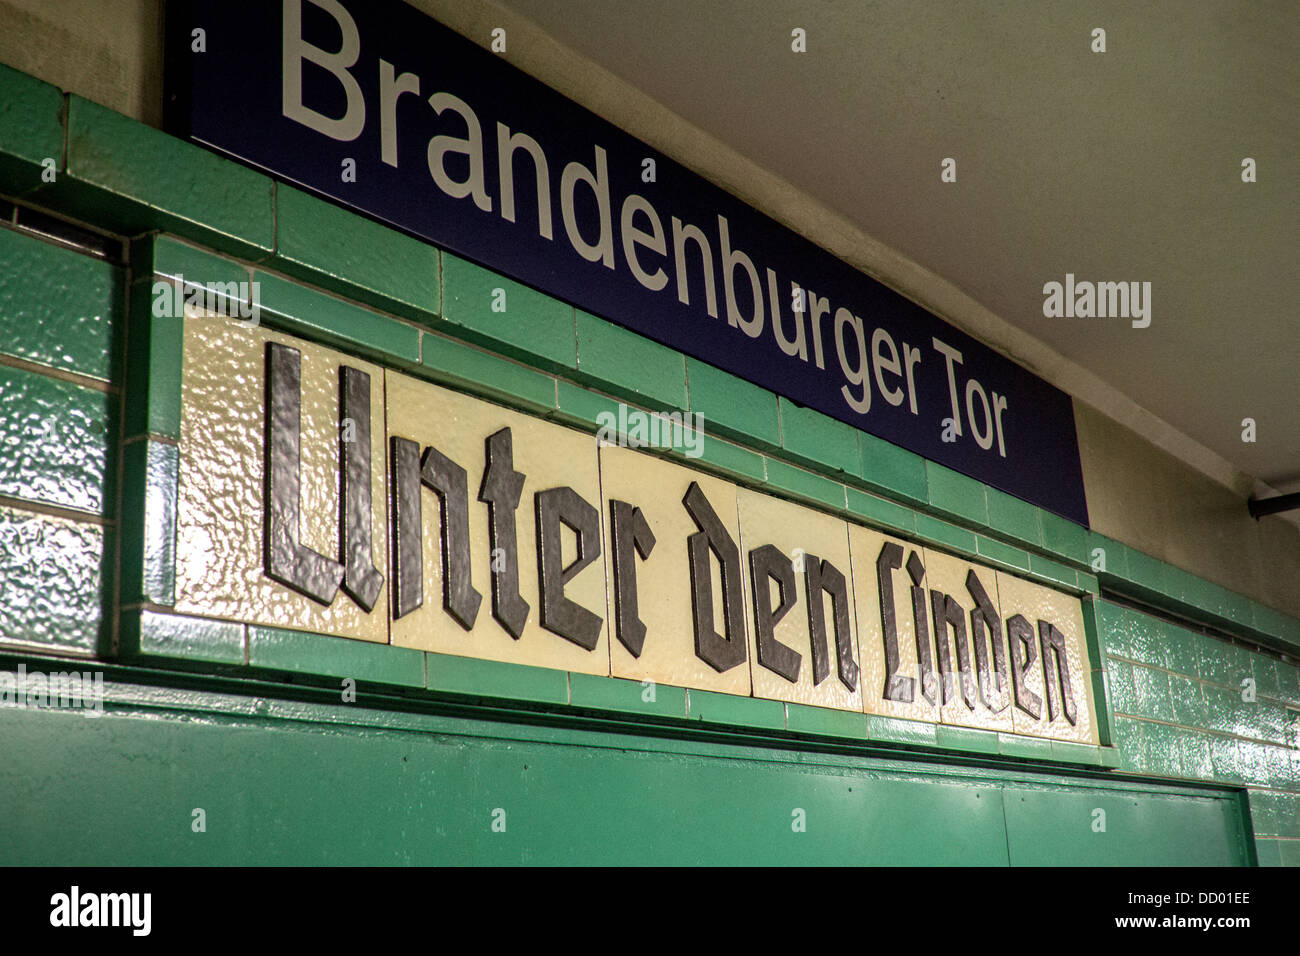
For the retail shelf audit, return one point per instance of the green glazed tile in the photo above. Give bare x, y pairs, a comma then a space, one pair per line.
315, 315
1162, 749
593, 692
151, 634
576, 405
506, 316
900, 731
733, 407
467, 676
808, 435
139, 178
1053, 571
58, 439
804, 484
1030, 748
299, 652
952, 493
880, 512
1112, 561
1119, 679
1065, 539
893, 470
54, 579
31, 130
57, 307
730, 459
154, 362
486, 374
825, 722
945, 535
966, 739
1002, 554
628, 364
355, 257
712, 708
1012, 517
148, 561
1188, 703
1151, 691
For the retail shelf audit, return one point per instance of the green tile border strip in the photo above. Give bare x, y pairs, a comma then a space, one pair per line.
180, 640
148, 542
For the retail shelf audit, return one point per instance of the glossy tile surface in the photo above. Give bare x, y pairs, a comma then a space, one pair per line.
663, 579
801, 535
220, 506
549, 456
1037, 603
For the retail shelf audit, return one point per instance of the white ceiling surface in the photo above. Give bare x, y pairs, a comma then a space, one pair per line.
1122, 166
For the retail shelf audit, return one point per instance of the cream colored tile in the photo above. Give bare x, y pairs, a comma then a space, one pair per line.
866, 548
991, 710
1036, 603
219, 521
668, 655
800, 535
549, 456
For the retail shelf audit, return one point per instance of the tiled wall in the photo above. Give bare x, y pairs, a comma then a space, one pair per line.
60, 311
1194, 706
331, 276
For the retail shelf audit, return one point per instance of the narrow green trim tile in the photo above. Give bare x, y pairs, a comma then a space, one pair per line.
147, 633
354, 256
170, 258
1053, 571
1108, 757
1031, 748
1088, 582
506, 316
810, 436
580, 406
1002, 554
300, 652
468, 676
315, 315
966, 739
1070, 752
804, 484
1012, 517
1114, 553
628, 364
478, 371
825, 722
148, 558
880, 512
31, 130
711, 708
945, 535
155, 359
1064, 538
139, 178
952, 493
628, 696
733, 407
1146, 572
894, 470
729, 459
900, 731
59, 308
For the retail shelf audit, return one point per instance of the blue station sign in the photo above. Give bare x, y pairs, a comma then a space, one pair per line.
447, 141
